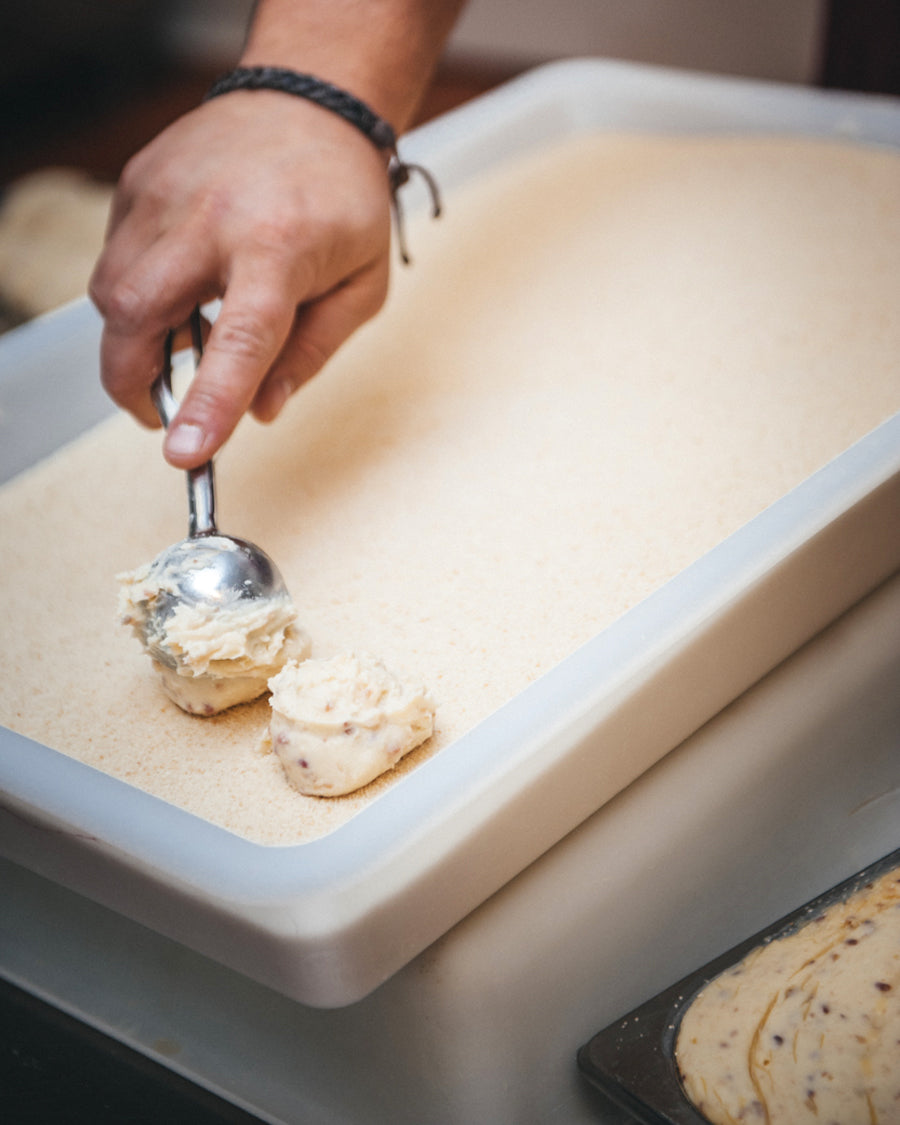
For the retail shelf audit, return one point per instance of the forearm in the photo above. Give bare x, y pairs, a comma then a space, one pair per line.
383, 51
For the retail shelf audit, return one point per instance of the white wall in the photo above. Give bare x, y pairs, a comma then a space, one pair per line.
776, 39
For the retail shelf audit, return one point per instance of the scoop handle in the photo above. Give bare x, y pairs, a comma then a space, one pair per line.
201, 486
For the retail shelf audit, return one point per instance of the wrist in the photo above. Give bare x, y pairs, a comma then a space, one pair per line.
381, 51
341, 104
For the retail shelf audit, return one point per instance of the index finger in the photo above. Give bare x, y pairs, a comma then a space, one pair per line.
255, 320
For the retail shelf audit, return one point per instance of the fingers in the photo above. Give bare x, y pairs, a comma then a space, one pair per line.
244, 343
318, 331
260, 349
157, 292
145, 286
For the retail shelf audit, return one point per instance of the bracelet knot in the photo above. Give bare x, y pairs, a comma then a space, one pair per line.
326, 94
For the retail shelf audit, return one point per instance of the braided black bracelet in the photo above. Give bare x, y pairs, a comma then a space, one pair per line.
352, 109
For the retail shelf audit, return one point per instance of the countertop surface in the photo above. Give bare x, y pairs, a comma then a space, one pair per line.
55, 1070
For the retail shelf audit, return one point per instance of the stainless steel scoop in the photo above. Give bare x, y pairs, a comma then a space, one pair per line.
207, 570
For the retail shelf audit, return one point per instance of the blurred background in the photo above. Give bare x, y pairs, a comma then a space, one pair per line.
86, 83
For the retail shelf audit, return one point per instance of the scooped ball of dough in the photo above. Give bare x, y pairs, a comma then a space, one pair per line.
220, 655
338, 723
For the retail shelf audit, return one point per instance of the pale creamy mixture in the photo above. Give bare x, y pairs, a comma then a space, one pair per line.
338, 724
606, 357
217, 656
805, 1029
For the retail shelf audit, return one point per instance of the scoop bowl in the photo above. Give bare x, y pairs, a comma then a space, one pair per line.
208, 573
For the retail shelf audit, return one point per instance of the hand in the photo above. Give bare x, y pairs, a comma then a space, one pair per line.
277, 206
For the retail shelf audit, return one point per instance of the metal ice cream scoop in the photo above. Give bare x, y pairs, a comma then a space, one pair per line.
208, 570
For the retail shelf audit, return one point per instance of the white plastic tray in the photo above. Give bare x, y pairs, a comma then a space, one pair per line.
791, 788
325, 922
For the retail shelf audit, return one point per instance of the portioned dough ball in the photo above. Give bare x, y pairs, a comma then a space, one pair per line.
339, 723
220, 655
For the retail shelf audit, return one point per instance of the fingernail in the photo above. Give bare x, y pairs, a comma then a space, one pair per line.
184, 440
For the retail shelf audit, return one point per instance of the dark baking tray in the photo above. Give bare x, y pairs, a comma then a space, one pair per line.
633, 1060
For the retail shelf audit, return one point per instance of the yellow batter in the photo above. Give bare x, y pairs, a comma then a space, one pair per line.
807, 1028
607, 356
